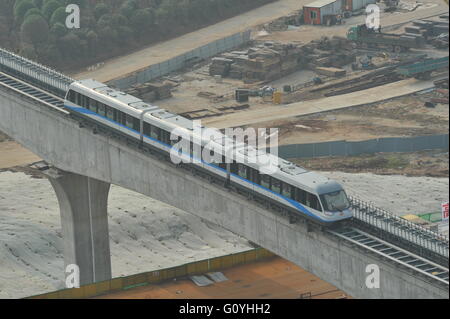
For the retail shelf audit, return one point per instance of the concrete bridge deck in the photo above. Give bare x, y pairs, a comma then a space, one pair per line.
102, 159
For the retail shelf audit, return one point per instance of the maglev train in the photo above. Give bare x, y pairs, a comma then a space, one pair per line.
288, 186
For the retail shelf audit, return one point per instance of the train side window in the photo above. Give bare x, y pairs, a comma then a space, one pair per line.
314, 202
128, 121
165, 137
265, 181
242, 171
253, 175
136, 124
109, 112
146, 129
84, 102
122, 118
154, 132
287, 190
234, 167
101, 109
276, 185
300, 196
71, 96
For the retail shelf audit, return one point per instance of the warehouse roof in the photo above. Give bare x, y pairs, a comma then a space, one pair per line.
319, 3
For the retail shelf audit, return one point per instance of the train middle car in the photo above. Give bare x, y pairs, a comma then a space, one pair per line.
277, 181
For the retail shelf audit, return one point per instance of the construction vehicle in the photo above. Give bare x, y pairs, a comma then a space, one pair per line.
371, 38
422, 70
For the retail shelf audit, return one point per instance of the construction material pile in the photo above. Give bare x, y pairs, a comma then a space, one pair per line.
151, 91
270, 60
435, 32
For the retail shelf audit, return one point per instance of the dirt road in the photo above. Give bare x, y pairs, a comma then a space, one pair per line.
121, 66
271, 113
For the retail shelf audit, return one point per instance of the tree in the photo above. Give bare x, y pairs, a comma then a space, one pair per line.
32, 11
7, 7
141, 21
34, 30
100, 10
49, 7
58, 30
59, 16
21, 8
38, 3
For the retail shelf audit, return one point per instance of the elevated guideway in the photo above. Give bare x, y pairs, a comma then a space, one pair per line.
413, 261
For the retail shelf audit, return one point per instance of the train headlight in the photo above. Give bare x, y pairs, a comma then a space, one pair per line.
329, 213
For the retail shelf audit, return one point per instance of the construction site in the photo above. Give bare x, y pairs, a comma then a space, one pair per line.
366, 105
328, 80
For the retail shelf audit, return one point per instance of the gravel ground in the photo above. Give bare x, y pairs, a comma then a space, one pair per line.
397, 194
145, 235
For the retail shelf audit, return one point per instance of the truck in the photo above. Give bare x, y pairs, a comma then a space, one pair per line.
422, 69
370, 38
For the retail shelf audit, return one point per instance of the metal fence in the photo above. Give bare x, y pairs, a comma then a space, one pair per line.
35, 73
379, 145
413, 237
176, 63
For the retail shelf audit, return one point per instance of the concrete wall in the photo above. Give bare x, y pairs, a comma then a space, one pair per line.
62, 143
378, 145
160, 69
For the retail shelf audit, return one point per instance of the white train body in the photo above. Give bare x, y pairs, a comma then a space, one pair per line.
304, 192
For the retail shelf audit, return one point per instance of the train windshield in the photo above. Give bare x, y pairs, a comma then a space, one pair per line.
335, 201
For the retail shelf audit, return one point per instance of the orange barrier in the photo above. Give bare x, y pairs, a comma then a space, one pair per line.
153, 277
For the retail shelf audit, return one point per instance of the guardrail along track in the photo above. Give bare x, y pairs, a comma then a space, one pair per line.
34, 73
401, 232
32, 92
399, 256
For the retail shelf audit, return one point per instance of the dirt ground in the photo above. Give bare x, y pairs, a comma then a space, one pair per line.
273, 278
426, 163
404, 116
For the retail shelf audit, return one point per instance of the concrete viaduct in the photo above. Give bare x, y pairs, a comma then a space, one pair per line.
85, 164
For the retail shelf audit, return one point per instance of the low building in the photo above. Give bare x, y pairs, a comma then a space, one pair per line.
319, 11
354, 5
315, 12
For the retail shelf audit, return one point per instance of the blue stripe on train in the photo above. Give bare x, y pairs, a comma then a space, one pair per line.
290, 201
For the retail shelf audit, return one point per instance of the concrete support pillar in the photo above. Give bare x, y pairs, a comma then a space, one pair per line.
83, 206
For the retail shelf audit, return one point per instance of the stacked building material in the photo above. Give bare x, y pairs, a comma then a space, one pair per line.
220, 66
271, 60
151, 91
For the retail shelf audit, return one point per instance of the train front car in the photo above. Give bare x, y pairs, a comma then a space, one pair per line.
335, 203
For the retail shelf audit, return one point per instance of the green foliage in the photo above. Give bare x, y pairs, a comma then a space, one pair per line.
108, 27
21, 8
58, 30
34, 29
141, 21
59, 16
38, 3
32, 11
49, 7
100, 10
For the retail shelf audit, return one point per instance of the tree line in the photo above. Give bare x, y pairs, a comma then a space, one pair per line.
37, 29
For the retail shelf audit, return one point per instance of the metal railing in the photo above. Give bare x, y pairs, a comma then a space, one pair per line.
35, 73
414, 237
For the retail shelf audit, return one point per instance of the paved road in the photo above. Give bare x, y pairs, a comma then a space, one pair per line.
278, 112
121, 66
